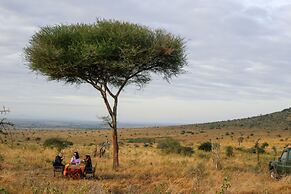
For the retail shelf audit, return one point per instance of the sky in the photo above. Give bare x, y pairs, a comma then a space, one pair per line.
238, 53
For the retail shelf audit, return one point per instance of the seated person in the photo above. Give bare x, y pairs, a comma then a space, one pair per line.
75, 159
88, 163
58, 160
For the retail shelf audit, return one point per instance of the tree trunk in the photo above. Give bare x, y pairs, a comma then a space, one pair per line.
115, 149
113, 124
115, 136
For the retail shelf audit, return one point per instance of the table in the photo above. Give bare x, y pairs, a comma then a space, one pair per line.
74, 171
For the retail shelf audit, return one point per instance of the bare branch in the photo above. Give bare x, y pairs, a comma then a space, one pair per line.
131, 76
109, 91
4, 111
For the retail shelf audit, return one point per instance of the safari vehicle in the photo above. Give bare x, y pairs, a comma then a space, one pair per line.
282, 166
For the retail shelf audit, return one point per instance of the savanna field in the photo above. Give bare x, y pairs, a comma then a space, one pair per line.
144, 167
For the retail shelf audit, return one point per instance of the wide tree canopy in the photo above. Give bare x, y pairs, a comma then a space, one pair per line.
110, 52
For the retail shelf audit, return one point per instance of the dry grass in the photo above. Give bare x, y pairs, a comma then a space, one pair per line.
27, 167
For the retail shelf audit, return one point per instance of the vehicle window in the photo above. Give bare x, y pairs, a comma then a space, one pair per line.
289, 156
284, 155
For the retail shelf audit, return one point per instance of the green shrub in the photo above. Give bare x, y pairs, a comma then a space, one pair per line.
3, 191
254, 150
264, 145
229, 151
173, 146
56, 142
169, 146
205, 146
186, 151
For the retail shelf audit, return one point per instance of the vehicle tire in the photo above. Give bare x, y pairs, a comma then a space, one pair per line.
274, 174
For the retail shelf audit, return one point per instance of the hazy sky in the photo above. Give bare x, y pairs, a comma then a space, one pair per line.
239, 54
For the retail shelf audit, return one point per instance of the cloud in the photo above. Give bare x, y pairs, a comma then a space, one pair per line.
238, 52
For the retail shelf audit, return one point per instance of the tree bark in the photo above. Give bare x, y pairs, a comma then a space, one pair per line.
112, 110
115, 149
115, 136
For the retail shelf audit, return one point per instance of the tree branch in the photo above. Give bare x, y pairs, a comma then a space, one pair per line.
109, 92
131, 76
103, 94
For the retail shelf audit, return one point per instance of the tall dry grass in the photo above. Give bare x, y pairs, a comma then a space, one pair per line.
27, 168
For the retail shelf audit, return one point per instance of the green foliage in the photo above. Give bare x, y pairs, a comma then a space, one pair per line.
229, 151
173, 146
186, 151
106, 51
3, 191
264, 145
58, 143
205, 146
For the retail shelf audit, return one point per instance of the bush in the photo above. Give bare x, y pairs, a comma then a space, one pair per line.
186, 151
3, 191
56, 142
229, 151
169, 145
264, 145
205, 146
254, 150
173, 146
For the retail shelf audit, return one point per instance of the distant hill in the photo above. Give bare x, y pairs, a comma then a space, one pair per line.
276, 120
58, 124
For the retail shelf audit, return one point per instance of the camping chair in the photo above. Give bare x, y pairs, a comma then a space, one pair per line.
90, 171
58, 169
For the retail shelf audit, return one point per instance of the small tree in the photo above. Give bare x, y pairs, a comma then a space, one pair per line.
257, 146
240, 140
229, 151
108, 55
216, 156
6, 128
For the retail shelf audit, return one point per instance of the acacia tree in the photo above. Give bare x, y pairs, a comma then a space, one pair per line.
108, 55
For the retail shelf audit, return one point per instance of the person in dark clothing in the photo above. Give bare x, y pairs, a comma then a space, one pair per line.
58, 160
88, 163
